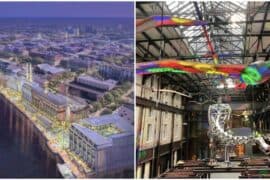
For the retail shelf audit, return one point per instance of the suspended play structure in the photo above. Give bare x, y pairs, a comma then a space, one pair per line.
159, 21
252, 74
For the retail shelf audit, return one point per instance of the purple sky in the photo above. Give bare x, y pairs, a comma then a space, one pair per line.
66, 9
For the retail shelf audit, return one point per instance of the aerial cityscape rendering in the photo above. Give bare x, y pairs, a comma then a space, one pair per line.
66, 90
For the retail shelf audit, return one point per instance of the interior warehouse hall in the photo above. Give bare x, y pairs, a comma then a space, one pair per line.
202, 89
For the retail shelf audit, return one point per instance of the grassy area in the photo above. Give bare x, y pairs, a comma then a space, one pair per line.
105, 130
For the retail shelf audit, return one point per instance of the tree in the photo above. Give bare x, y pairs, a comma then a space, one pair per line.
109, 97
121, 101
121, 91
96, 106
106, 111
126, 85
112, 106
67, 75
80, 71
116, 93
37, 60
102, 101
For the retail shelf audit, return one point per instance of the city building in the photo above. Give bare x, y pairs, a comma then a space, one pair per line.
126, 111
53, 105
76, 63
8, 67
96, 83
48, 69
119, 73
90, 88
105, 143
159, 128
49, 72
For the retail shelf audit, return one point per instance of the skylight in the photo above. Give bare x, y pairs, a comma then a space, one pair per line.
218, 14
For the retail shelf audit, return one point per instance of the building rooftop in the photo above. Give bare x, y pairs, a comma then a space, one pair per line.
101, 130
114, 119
95, 137
56, 98
50, 69
5, 61
126, 112
94, 80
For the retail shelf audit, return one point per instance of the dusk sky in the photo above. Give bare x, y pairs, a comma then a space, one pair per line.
66, 9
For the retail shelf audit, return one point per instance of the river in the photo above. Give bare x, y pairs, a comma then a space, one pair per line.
23, 150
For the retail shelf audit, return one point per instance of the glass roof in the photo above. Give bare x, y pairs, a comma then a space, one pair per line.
217, 14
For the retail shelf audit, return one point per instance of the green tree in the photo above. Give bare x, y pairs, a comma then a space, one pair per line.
106, 111
109, 97
126, 85
116, 93
102, 101
80, 71
96, 106
35, 60
112, 106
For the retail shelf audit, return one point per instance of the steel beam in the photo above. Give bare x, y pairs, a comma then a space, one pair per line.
214, 35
